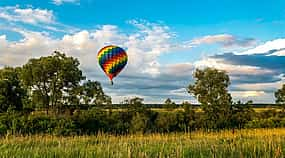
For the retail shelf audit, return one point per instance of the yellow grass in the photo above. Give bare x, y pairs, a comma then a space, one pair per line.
243, 143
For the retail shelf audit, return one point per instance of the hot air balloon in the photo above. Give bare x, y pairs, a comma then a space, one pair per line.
112, 60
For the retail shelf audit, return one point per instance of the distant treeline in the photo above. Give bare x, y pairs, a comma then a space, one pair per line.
135, 118
181, 105
159, 106
50, 95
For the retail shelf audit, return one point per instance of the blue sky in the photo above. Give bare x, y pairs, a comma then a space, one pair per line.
165, 40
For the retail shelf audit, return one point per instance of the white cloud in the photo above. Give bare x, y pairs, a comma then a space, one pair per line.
278, 53
144, 47
27, 15
180, 92
60, 2
43, 19
225, 40
179, 69
213, 39
34, 44
255, 96
272, 86
231, 69
245, 94
266, 47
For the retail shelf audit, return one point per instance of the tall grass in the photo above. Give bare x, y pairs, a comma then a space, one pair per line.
257, 143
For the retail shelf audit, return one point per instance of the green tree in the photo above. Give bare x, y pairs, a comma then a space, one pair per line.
140, 114
189, 115
210, 89
241, 114
50, 78
89, 93
12, 94
135, 104
92, 93
166, 122
280, 96
138, 123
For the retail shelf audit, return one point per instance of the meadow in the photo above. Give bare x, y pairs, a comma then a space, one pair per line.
255, 143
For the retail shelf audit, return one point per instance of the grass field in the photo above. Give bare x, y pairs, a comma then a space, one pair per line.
257, 143
198, 109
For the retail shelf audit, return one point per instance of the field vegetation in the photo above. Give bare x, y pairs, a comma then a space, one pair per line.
255, 143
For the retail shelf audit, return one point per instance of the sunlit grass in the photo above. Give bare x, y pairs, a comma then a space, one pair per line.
245, 143
198, 109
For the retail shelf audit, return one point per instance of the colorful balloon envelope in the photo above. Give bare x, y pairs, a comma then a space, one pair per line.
112, 60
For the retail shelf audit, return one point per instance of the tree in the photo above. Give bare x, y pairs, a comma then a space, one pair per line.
169, 104
139, 114
92, 93
189, 115
138, 123
210, 89
166, 122
241, 114
50, 78
135, 104
89, 93
280, 96
12, 94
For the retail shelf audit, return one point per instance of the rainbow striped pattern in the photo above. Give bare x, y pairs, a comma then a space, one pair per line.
112, 60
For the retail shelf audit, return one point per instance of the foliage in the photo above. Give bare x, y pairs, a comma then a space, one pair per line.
12, 94
189, 116
169, 104
50, 78
92, 93
210, 89
280, 96
241, 114
135, 104
89, 93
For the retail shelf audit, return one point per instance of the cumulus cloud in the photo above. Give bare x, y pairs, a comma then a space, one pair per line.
144, 75
144, 47
12, 17
34, 44
225, 40
27, 15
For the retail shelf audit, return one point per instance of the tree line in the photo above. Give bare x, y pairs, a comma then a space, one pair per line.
45, 94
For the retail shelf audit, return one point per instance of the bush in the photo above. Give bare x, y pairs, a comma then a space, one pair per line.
166, 122
138, 123
266, 123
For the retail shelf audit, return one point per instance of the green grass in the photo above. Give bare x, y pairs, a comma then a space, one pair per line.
246, 143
